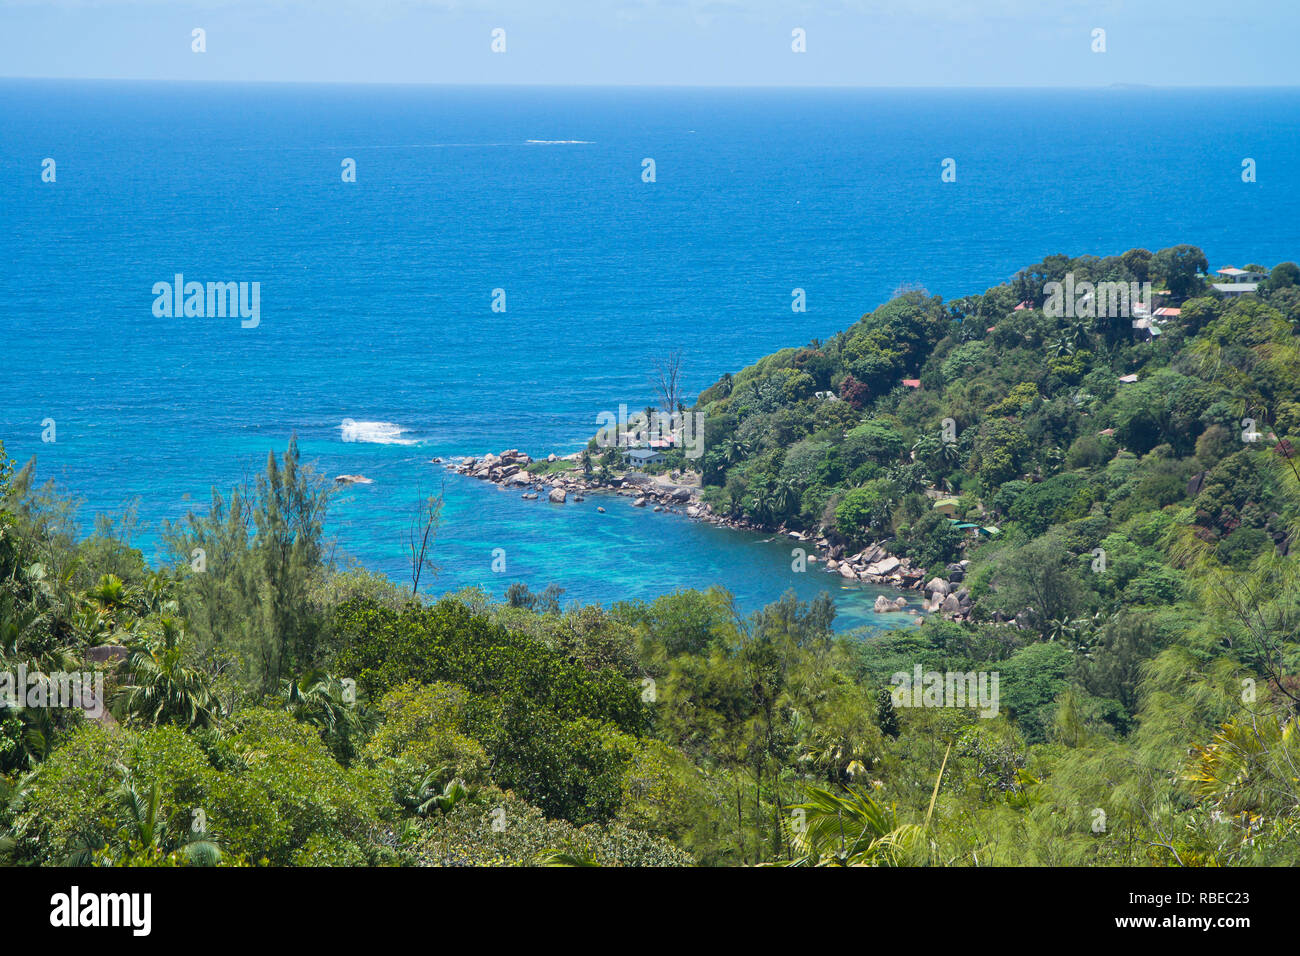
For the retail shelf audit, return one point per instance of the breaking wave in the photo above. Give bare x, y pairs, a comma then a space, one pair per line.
375, 433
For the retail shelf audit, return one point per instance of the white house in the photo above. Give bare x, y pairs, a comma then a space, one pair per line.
1232, 274
1237, 281
640, 457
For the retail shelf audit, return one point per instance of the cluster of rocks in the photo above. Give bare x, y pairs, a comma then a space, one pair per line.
873, 565
949, 597
883, 604
510, 470
645, 492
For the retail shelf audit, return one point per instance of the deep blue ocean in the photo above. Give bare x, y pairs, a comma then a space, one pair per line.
376, 295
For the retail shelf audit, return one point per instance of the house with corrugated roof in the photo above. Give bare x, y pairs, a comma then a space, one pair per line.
1237, 281
640, 457
1232, 274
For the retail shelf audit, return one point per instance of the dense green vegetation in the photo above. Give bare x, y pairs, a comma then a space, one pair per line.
273, 708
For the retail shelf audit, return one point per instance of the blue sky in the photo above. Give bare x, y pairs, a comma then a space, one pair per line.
693, 42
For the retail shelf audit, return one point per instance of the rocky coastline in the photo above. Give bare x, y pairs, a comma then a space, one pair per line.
945, 596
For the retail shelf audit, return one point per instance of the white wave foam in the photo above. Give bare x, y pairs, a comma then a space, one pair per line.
375, 433
516, 143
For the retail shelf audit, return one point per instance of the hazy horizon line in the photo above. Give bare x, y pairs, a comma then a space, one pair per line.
617, 85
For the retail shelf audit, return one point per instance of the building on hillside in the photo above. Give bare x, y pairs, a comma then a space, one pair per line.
1234, 289
1231, 274
640, 457
1237, 281
1146, 329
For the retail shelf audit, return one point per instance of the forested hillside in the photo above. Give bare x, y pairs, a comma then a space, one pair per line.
1119, 506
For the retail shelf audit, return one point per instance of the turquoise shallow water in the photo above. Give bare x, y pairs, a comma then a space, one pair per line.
376, 296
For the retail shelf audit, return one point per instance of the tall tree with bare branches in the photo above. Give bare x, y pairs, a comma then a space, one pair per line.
421, 535
668, 380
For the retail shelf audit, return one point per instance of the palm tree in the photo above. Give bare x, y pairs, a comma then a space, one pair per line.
12, 795
35, 739
92, 625
849, 829
321, 700
55, 595
142, 831
51, 590
108, 595
15, 623
949, 453
161, 689
1062, 629
99, 613
429, 796
735, 450
156, 596
146, 827
1062, 346
762, 504
735, 501
786, 496
838, 755
1249, 766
